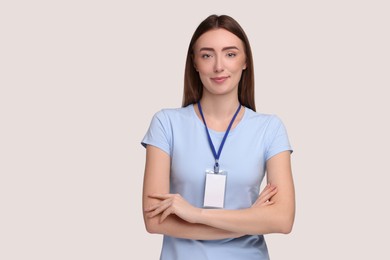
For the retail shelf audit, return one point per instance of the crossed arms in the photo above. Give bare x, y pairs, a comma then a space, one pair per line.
170, 214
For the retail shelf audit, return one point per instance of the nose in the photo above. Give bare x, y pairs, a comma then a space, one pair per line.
218, 66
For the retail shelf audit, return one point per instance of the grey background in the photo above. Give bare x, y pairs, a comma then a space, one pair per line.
80, 81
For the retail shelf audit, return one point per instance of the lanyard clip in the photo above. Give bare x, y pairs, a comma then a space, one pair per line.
216, 167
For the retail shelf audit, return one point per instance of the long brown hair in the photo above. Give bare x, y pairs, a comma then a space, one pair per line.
193, 87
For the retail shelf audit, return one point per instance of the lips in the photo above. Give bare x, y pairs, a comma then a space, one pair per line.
219, 79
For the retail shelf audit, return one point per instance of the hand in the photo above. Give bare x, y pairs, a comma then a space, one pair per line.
265, 196
172, 204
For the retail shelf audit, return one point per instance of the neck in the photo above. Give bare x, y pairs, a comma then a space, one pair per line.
219, 107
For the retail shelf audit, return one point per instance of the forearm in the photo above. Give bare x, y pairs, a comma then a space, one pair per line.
176, 227
261, 219
257, 220
174, 216
276, 217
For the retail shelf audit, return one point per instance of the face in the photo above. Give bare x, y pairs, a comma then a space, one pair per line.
219, 58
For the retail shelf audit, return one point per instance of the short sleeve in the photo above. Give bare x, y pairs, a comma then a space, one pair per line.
277, 140
158, 133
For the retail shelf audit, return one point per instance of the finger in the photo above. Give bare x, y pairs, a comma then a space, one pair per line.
265, 196
163, 206
266, 189
160, 196
269, 187
267, 203
269, 195
155, 206
264, 203
165, 214
266, 193
160, 209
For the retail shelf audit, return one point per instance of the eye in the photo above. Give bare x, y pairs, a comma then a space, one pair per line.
206, 56
231, 54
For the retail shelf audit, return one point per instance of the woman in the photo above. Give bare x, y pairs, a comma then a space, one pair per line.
205, 161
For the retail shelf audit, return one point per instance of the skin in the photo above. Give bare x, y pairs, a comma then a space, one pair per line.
219, 57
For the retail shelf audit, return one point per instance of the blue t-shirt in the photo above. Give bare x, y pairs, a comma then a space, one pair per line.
182, 135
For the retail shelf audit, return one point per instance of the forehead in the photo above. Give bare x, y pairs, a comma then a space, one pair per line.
218, 39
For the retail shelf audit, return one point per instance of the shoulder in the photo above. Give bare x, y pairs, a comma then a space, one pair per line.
263, 119
169, 116
172, 113
273, 131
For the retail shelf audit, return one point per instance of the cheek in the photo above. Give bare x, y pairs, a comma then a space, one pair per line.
204, 78
204, 69
237, 68
202, 74
200, 65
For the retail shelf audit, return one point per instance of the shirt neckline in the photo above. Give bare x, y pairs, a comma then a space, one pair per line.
220, 132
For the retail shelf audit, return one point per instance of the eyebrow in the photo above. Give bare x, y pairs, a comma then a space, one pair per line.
224, 49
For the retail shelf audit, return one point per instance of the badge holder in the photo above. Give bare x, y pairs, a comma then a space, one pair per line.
215, 186
215, 189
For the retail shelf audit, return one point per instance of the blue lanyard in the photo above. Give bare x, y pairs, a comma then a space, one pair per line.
217, 155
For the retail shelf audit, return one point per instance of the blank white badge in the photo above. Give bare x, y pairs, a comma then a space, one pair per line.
214, 193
